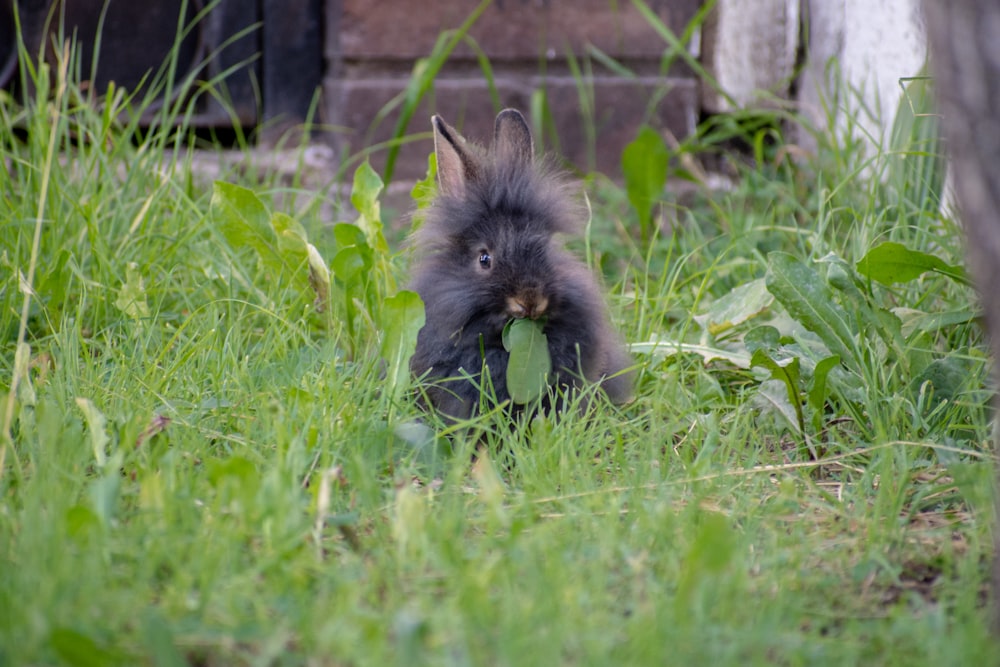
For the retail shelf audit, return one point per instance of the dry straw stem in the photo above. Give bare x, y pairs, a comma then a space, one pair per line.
762, 469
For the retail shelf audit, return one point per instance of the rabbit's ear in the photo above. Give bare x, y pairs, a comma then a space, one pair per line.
512, 139
455, 165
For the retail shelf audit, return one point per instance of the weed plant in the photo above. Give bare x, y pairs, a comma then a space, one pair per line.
211, 452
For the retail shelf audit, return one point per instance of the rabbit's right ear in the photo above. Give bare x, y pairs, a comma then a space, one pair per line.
455, 165
512, 142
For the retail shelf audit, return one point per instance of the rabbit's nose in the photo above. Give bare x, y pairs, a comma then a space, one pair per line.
528, 305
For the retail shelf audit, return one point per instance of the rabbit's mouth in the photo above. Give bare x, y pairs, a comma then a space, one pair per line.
529, 304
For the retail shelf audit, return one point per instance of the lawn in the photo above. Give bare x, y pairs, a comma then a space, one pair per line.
212, 453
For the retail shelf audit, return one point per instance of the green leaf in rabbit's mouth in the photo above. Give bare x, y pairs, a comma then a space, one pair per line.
530, 364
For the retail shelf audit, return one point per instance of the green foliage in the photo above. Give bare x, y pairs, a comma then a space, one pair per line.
809, 301
890, 263
529, 364
402, 319
738, 306
245, 222
644, 164
764, 343
362, 303
210, 454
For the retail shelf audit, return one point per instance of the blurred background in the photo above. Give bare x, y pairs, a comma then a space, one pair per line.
365, 76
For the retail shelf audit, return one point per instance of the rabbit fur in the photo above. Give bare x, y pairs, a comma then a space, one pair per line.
490, 250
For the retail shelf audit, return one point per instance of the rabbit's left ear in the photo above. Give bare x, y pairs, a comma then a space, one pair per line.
456, 166
512, 139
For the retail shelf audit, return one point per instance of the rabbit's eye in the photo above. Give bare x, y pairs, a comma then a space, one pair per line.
485, 259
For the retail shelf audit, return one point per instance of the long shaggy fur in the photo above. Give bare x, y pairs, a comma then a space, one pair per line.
513, 210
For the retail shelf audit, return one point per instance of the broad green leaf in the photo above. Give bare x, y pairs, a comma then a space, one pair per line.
790, 364
808, 299
644, 164
664, 347
425, 189
763, 337
817, 394
132, 294
870, 317
529, 364
351, 265
347, 234
364, 196
291, 236
280, 240
402, 319
365, 191
772, 398
892, 262
785, 371
297, 251
738, 306
842, 276
245, 221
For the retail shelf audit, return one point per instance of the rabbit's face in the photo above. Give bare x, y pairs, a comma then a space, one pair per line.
513, 268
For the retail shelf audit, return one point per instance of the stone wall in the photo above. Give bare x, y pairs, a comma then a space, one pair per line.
371, 49
360, 54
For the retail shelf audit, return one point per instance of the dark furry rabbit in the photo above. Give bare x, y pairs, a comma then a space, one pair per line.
488, 251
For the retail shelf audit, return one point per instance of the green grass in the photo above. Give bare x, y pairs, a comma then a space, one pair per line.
200, 468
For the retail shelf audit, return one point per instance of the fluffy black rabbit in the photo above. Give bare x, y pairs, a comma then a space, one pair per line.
488, 251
